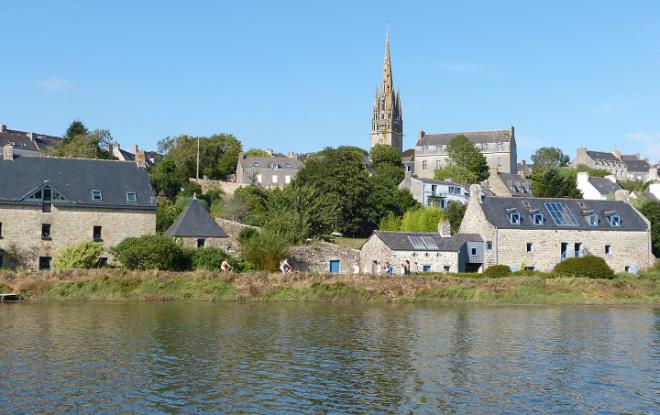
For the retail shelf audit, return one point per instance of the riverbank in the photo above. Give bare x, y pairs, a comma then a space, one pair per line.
123, 285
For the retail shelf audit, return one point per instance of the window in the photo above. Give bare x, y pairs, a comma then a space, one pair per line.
2, 262
499, 162
201, 242
275, 166
44, 263
453, 190
0, 230
608, 249
615, 220
514, 217
96, 233
530, 268
593, 219
274, 178
103, 262
500, 146
424, 164
426, 268
473, 251
45, 231
131, 197
489, 245
530, 247
537, 218
438, 164
434, 188
561, 214
446, 268
287, 179
97, 195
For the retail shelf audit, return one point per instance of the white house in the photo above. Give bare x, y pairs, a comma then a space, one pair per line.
597, 188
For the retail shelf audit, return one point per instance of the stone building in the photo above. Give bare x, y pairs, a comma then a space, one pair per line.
323, 257
538, 233
507, 184
24, 143
621, 166
195, 228
49, 203
432, 252
151, 158
597, 188
387, 114
498, 147
268, 171
436, 193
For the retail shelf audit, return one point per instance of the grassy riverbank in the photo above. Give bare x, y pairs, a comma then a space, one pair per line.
121, 285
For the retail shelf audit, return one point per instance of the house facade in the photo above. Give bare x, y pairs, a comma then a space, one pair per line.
538, 233
48, 203
507, 184
268, 171
621, 166
597, 188
434, 193
498, 147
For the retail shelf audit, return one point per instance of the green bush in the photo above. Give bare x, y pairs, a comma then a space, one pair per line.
588, 266
498, 271
210, 259
246, 234
152, 252
83, 255
265, 251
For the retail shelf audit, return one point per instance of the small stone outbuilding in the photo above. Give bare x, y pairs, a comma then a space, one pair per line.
323, 257
196, 228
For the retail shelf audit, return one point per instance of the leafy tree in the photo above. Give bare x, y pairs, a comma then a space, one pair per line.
384, 198
652, 212
289, 214
218, 155
457, 174
548, 157
75, 129
593, 172
92, 145
166, 214
152, 252
384, 155
455, 212
264, 250
84, 255
390, 175
256, 152
552, 183
422, 219
391, 222
462, 153
252, 201
166, 180
636, 186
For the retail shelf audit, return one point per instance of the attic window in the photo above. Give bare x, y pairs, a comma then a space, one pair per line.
514, 217
97, 195
537, 218
593, 219
131, 197
615, 220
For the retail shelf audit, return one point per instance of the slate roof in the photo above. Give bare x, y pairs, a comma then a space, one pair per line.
498, 208
600, 155
604, 186
401, 241
75, 179
636, 165
493, 136
21, 140
195, 222
267, 162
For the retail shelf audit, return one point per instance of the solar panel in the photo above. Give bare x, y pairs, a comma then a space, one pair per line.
561, 214
423, 242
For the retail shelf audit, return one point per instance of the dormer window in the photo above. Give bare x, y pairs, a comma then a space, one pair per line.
514, 217
615, 220
97, 195
593, 219
537, 218
131, 197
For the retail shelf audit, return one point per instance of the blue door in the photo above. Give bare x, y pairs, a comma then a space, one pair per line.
426, 268
334, 266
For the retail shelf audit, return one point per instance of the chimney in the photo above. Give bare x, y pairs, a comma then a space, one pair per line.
110, 148
140, 159
269, 151
421, 134
653, 174
622, 195
522, 172
475, 193
617, 154
30, 136
3, 127
134, 148
8, 152
444, 229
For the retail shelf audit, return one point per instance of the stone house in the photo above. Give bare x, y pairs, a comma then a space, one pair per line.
498, 147
507, 184
323, 257
25, 143
621, 166
151, 158
432, 252
436, 193
195, 228
597, 188
271, 171
49, 203
538, 233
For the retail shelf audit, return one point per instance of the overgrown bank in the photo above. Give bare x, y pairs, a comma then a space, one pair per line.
121, 285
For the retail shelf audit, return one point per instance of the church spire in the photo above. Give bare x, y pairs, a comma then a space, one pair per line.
386, 120
388, 82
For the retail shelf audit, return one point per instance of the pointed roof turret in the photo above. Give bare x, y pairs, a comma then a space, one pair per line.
388, 82
195, 222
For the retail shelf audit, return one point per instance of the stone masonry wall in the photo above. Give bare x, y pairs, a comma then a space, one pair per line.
375, 250
227, 187
316, 257
222, 243
21, 225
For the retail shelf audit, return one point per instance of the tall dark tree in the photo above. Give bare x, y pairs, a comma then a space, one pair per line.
90, 145
652, 212
548, 157
218, 154
76, 128
551, 183
463, 154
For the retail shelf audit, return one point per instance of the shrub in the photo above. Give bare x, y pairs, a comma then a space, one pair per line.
152, 252
265, 251
245, 234
84, 255
587, 266
210, 259
498, 271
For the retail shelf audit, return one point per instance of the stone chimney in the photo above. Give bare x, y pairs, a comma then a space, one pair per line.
622, 195
140, 159
421, 134
8, 152
522, 172
475, 193
269, 151
30, 136
444, 229
134, 148
3, 127
617, 154
653, 174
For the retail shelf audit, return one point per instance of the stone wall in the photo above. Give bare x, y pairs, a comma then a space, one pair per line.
316, 257
375, 250
227, 188
233, 228
222, 243
22, 225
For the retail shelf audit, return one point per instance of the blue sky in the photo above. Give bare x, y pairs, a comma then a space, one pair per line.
299, 76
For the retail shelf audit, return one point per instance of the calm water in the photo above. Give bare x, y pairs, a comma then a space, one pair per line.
245, 359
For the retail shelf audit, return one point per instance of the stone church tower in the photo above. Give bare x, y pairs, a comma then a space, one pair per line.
386, 120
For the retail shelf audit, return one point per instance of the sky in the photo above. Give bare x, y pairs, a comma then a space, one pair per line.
300, 76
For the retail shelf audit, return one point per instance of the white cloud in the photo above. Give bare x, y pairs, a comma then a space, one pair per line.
462, 67
54, 84
650, 143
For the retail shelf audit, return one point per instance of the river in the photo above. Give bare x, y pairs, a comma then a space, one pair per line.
280, 358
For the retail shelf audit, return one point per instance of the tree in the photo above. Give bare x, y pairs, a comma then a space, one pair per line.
455, 212
256, 152
422, 219
462, 153
593, 172
548, 157
84, 255
457, 174
75, 129
391, 222
218, 154
152, 252
252, 201
652, 212
92, 145
384, 155
555, 182
166, 179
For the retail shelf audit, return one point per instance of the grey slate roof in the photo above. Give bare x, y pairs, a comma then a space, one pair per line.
267, 163
604, 186
516, 183
195, 222
401, 241
600, 155
633, 165
21, 140
497, 208
75, 179
494, 136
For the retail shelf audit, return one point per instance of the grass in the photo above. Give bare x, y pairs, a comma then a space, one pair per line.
535, 288
355, 243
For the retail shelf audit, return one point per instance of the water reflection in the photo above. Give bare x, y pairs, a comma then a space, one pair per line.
212, 358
